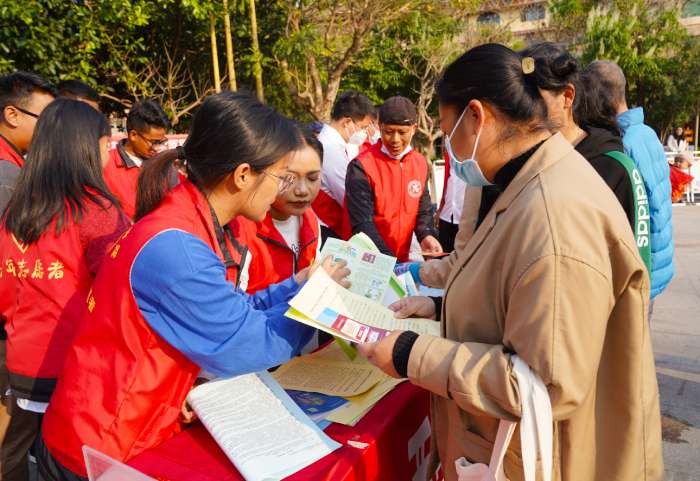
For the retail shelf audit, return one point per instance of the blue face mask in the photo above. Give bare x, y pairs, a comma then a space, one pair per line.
467, 170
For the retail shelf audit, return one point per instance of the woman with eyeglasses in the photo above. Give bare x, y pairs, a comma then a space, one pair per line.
146, 126
288, 240
166, 304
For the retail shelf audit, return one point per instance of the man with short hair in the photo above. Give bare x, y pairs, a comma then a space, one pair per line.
77, 90
352, 115
646, 150
146, 126
386, 187
23, 97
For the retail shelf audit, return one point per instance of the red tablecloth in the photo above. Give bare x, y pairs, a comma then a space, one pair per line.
397, 430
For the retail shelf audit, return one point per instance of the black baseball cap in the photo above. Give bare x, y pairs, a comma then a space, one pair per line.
398, 111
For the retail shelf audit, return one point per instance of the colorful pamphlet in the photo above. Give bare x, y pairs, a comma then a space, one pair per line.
327, 306
371, 270
316, 405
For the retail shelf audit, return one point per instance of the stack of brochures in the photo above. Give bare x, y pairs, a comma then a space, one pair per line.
329, 373
355, 315
361, 404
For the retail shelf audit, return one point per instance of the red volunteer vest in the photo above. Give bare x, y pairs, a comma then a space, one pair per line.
397, 186
122, 178
272, 259
49, 282
122, 385
329, 211
365, 146
9, 153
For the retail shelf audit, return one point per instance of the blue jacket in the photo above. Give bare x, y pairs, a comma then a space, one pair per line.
180, 286
642, 144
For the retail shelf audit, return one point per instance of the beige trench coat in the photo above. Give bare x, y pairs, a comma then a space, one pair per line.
552, 274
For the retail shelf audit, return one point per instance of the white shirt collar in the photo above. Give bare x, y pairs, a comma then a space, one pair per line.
329, 134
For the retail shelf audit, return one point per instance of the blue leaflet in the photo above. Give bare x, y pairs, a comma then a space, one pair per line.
317, 406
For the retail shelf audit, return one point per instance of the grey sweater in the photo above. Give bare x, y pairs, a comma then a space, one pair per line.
9, 173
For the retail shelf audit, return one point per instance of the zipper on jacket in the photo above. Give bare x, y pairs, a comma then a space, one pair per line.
295, 264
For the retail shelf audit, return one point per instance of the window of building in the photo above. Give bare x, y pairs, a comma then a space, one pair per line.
489, 18
532, 12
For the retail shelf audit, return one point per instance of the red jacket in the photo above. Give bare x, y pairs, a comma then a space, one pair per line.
329, 211
9, 153
272, 259
122, 176
140, 381
365, 146
49, 281
397, 187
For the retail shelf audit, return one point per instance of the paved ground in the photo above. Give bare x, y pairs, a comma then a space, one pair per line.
675, 332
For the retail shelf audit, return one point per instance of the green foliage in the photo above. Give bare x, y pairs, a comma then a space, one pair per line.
636, 36
59, 39
645, 38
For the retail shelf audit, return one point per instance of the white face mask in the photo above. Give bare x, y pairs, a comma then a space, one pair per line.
377, 134
467, 170
358, 137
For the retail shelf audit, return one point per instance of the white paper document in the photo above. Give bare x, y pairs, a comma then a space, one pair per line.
321, 296
259, 427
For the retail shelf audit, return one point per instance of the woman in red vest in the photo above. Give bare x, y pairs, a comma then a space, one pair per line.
59, 225
288, 240
166, 305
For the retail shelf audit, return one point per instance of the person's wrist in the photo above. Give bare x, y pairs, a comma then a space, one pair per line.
438, 307
402, 352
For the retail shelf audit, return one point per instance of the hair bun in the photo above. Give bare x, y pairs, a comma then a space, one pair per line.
562, 66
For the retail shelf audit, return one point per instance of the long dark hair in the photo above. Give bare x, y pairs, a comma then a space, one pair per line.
494, 73
308, 138
63, 170
229, 129
679, 137
555, 68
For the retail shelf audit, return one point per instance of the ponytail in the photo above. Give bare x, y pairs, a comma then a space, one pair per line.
154, 182
228, 130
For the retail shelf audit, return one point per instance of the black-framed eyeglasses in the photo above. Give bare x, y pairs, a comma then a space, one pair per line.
28, 113
285, 181
153, 143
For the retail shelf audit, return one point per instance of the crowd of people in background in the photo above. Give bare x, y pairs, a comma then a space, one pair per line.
128, 276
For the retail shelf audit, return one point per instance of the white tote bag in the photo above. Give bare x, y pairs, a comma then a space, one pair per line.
535, 424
